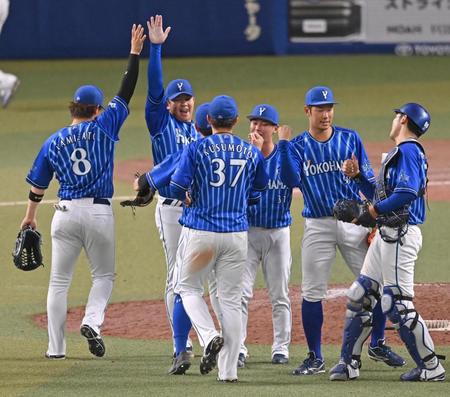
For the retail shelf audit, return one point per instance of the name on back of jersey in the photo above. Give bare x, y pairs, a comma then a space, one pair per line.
71, 139
228, 147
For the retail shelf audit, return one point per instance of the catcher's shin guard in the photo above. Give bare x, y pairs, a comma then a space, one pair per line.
362, 298
410, 326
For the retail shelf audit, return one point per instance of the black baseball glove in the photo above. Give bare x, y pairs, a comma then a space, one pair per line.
394, 219
27, 252
352, 211
144, 196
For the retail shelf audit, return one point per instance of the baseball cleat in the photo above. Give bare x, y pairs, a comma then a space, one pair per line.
310, 366
343, 371
384, 353
190, 352
241, 360
96, 344
424, 375
209, 359
279, 359
181, 364
55, 356
8, 87
227, 380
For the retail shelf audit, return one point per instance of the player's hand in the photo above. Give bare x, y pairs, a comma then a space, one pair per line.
188, 200
156, 34
137, 39
256, 140
28, 222
136, 181
284, 132
350, 167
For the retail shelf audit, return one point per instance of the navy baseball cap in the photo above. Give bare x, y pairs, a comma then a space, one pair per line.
223, 107
178, 87
264, 112
200, 116
320, 95
88, 95
417, 114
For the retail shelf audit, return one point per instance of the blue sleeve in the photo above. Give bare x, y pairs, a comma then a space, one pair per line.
364, 164
366, 187
394, 201
254, 198
366, 178
111, 120
41, 173
261, 179
408, 169
155, 107
184, 174
290, 164
160, 175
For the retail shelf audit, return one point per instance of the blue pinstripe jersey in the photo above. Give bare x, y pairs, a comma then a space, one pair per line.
81, 156
408, 173
220, 170
160, 175
168, 135
319, 167
273, 208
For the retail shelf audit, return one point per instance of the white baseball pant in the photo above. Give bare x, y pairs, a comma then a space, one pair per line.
81, 224
320, 238
271, 248
225, 253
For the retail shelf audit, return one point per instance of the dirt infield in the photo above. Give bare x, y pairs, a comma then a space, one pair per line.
437, 150
147, 319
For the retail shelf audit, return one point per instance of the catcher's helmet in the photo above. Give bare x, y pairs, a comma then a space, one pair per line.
417, 114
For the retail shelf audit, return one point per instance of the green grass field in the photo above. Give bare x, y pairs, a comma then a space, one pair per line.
368, 88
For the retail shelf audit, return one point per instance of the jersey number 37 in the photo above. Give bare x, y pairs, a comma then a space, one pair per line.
220, 171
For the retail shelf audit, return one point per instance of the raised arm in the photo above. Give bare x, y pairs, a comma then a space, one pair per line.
155, 91
131, 75
157, 36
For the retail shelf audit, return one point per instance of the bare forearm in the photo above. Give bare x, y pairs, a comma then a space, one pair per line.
35, 196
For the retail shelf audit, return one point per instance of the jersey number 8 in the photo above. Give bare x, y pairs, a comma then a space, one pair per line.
81, 166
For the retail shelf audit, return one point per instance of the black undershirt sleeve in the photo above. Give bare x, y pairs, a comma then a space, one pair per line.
129, 79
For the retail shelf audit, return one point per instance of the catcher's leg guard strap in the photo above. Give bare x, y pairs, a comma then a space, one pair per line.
410, 326
362, 298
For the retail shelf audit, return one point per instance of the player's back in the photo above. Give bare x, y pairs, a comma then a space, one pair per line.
225, 169
408, 173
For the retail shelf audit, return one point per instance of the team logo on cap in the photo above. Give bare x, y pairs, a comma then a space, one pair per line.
325, 94
180, 85
426, 125
261, 110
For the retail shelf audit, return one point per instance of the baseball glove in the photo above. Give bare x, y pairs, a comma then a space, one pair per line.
352, 211
27, 252
144, 196
394, 219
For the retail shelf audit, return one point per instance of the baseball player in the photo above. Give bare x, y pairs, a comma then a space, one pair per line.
312, 161
389, 265
8, 82
169, 116
156, 179
269, 239
81, 157
220, 171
